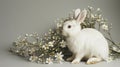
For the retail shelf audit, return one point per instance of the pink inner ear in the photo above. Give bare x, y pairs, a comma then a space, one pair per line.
82, 16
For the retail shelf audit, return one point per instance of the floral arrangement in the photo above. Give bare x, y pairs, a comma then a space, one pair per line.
52, 47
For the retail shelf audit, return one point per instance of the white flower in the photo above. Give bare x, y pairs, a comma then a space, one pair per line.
51, 43
33, 58
90, 7
44, 47
26, 35
98, 9
59, 57
49, 60
104, 27
59, 25
63, 44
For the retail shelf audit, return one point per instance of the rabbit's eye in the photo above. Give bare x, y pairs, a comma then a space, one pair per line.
69, 26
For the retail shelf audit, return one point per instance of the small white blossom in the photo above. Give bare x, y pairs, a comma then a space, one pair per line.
104, 27
51, 43
90, 7
49, 61
59, 25
59, 57
33, 58
63, 44
44, 47
26, 35
39, 60
98, 9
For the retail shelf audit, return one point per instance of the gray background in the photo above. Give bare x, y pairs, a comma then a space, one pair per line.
18, 17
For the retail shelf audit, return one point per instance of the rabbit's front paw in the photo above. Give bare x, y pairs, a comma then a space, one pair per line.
75, 61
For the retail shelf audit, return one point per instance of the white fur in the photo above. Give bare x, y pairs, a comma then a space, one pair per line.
77, 12
87, 42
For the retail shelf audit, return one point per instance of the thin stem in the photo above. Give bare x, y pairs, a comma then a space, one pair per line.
112, 40
99, 26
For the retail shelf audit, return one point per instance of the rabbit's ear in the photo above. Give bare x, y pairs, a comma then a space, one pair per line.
77, 12
82, 16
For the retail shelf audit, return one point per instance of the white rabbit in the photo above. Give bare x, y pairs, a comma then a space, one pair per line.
84, 43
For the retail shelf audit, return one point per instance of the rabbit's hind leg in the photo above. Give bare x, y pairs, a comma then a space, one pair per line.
93, 60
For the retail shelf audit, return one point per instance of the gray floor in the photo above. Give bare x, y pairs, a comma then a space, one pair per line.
9, 60
18, 17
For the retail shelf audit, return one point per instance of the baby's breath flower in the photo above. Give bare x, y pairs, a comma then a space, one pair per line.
49, 60
104, 27
31, 50
90, 7
39, 60
59, 25
98, 9
33, 58
44, 47
63, 44
51, 43
59, 57
26, 35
